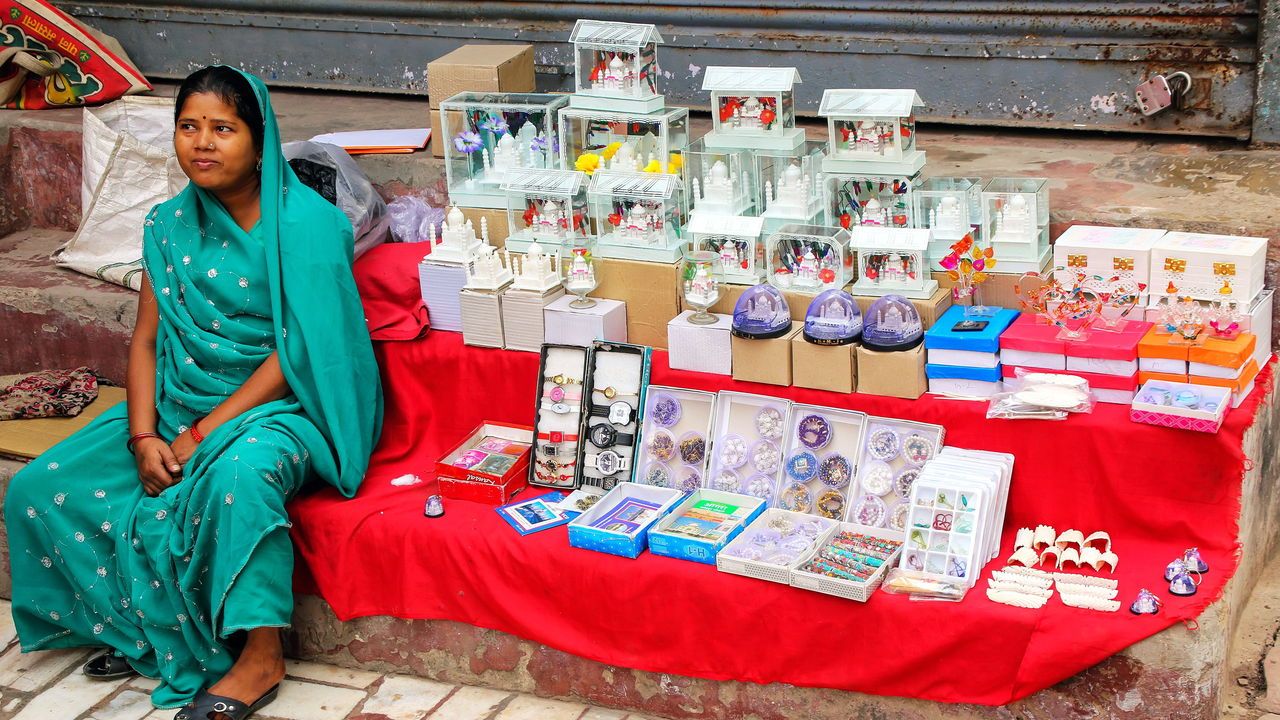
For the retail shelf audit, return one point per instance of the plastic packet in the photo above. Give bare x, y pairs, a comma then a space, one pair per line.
923, 587
332, 173
1035, 395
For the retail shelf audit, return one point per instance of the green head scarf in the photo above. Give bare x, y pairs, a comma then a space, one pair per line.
319, 326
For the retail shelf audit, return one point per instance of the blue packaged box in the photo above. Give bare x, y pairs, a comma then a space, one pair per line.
619, 523
958, 372
699, 527
944, 336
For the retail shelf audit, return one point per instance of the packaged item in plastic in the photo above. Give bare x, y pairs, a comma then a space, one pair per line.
1035, 395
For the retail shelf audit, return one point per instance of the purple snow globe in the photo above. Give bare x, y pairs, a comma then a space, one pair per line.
761, 313
892, 323
833, 318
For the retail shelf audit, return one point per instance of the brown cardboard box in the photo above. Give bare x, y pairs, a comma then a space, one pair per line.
823, 367
650, 292
476, 68
997, 291
896, 374
930, 310
764, 361
498, 227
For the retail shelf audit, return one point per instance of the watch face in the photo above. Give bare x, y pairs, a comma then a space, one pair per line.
603, 435
608, 462
560, 408
620, 413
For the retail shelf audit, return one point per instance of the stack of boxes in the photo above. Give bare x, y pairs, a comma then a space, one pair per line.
965, 359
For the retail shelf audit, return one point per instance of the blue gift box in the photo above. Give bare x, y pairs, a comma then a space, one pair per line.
630, 544
662, 541
958, 372
942, 336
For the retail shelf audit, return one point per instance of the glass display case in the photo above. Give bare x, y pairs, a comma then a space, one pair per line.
892, 260
808, 258
719, 182
549, 206
594, 140
788, 185
638, 216
753, 107
951, 207
737, 240
872, 130
1015, 221
858, 200
486, 135
616, 66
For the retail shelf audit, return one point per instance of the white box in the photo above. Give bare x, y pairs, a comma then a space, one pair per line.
964, 387
1116, 397
1244, 260
700, 348
1102, 366
1107, 250
481, 318
1237, 398
1215, 371
962, 358
440, 286
565, 325
1163, 365
1027, 358
522, 317
1258, 322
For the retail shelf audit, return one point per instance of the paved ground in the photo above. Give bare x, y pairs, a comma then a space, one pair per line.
49, 686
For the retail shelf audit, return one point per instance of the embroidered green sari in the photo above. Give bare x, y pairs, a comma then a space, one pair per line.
166, 580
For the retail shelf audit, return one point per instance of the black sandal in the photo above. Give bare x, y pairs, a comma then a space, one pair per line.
108, 665
206, 706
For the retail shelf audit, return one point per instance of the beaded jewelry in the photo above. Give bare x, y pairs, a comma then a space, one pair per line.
769, 423
883, 444
814, 432
831, 504
902, 484
727, 481
662, 446
690, 480
835, 471
693, 448
665, 410
782, 524
898, 520
802, 466
870, 511
657, 475
761, 487
877, 478
733, 452
796, 498
765, 457
917, 449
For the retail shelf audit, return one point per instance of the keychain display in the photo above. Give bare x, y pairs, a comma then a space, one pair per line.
673, 437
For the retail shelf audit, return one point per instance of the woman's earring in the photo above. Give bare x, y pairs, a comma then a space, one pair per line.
259, 164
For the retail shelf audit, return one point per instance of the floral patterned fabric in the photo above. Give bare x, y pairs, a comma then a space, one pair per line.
52, 393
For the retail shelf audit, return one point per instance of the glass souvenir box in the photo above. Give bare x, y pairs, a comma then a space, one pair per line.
486, 135
1015, 221
808, 258
1209, 267
892, 260
719, 182
549, 206
951, 207
592, 140
872, 131
738, 242
615, 66
788, 185
855, 199
638, 216
753, 107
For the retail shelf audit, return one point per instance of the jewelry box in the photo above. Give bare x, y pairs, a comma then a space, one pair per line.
773, 545
753, 107
893, 453
1108, 251
1208, 267
820, 460
558, 424
619, 522
702, 524
873, 550
748, 433
1202, 408
675, 438
490, 466
612, 409
957, 513
996, 470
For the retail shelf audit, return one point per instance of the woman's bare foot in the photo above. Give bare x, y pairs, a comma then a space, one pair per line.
260, 668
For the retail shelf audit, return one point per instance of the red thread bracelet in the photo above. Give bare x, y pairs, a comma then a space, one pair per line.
195, 431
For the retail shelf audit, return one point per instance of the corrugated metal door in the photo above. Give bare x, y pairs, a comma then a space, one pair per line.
1039, 63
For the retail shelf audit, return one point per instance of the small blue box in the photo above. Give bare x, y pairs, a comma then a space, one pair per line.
627, 544
687, 547
942, 337
958, 372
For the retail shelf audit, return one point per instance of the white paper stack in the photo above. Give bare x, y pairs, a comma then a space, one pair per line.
441, 285
522, 317
481, 318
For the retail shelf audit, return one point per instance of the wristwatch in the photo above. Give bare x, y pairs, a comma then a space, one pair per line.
555, 436
608, 462
610, 392
559, 408
562, 379
619, 413
603, 436
552, 450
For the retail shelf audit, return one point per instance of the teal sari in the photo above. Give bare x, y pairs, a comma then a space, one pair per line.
167, 580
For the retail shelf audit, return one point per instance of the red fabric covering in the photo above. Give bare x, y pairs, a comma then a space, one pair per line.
387, 277
1155, 490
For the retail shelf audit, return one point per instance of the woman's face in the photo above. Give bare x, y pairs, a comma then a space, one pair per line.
214, 146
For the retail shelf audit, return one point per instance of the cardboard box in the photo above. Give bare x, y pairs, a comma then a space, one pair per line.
1031, 343
496, 221
764, 361
964, 381
824, 367
1236, 384
663, 541
700, 348
997, 290
1174, 416
650, 292
930, 309
566, 325
441, 286
481, 318
475, 482
1146, 375
476, 68
798, 303
943, 335
1163, 365
615, 542
896, 374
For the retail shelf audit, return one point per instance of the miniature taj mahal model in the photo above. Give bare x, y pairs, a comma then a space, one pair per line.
458, 243
535, 270
490, 270
791, 197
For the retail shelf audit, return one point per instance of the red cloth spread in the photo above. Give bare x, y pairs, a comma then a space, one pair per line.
1155, 490
387, 277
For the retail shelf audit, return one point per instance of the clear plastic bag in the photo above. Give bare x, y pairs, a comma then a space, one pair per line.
923, 587
1035, 395
330, 171
412, 218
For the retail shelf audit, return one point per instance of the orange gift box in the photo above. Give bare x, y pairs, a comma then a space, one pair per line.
1156, 345
1233, 353
1237, 384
